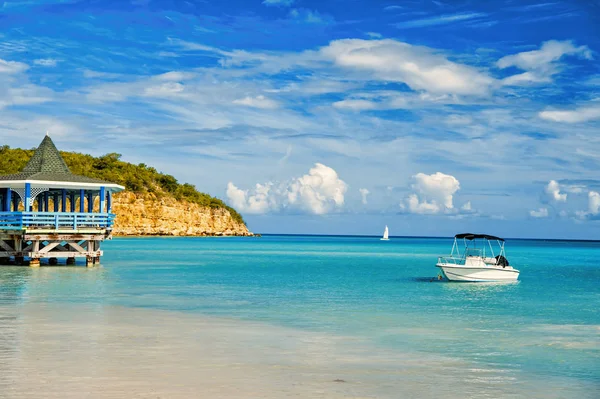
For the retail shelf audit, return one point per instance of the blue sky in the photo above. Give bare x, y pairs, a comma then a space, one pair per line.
327, 117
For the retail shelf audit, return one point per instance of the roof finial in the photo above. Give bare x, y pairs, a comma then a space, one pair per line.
47, 133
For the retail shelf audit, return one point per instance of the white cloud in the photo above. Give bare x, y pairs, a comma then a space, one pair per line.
540, 213
578, 115
594, 202
541, 64
175, 76
10, 67
47, 62
458, 120
440, 20
433, 194
363, 194
259, 101
164, 90
419, 67
593, 207
355, 104
550, 51
257, 202
280, 3
553, 191
319, 192
309, 16
467, 207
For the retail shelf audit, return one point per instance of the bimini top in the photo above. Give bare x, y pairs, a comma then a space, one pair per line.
471, 236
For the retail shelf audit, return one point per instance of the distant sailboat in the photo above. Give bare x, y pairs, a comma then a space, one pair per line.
386, 234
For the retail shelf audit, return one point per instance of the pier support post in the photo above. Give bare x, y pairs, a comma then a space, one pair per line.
4, 261
34, 263
71, 261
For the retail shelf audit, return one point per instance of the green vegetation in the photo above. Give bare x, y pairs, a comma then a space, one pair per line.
136, 178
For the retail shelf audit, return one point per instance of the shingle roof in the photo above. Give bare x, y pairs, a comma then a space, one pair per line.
46, 159
47, 164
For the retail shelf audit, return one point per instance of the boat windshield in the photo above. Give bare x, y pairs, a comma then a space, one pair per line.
473, 252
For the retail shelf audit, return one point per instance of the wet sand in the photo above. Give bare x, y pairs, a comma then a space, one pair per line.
84, 351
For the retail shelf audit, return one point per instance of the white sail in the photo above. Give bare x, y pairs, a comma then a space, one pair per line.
386, 233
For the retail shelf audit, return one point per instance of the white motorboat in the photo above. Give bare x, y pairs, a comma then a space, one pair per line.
477, 262
386, 234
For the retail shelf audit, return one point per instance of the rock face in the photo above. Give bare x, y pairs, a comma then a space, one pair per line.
145, 214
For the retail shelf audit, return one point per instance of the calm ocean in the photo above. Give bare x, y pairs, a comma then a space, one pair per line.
542, 332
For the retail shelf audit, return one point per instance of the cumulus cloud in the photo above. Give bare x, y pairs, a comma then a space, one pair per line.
419, 67
540, 213
319, 192
593, 210
259, 101
363, 194
541, 64
578, 115
258, 201
553, 191
594, 202
433, 194
467, 207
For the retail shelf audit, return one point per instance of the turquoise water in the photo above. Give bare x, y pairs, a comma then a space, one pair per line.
546, 326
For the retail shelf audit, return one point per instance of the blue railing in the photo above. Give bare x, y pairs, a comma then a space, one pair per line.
55, 220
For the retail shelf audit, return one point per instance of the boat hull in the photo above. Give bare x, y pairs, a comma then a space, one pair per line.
474, 273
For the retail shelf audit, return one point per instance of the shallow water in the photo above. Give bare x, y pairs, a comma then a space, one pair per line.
293, 314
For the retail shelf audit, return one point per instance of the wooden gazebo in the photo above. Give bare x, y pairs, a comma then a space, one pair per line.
47, 212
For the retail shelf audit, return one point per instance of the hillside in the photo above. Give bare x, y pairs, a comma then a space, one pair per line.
154, 203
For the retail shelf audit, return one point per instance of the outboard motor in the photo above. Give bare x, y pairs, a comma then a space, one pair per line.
501, 261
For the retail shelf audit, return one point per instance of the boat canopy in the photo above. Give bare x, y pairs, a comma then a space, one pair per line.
471, 236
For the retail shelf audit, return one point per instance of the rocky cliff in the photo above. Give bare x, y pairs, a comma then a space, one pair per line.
146, 214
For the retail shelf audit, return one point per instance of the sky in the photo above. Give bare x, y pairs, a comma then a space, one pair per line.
330, 116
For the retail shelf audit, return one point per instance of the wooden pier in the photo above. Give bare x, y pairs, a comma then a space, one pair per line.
49, 215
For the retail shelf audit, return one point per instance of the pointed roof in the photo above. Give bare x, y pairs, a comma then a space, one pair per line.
47, 165
46, 159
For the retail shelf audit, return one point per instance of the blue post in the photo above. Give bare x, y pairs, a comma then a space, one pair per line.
72, 197
82, 201
55, 198
90, 202
63, 207
109, 202
7, 200
27, 203
46, 202
102, 195
40, 199
15, 202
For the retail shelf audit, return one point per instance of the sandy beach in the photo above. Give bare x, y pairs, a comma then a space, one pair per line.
76, 351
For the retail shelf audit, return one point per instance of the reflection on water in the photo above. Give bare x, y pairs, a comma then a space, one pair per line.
48, 284
13, 283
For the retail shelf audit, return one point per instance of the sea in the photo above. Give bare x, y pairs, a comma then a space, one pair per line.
301, 316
